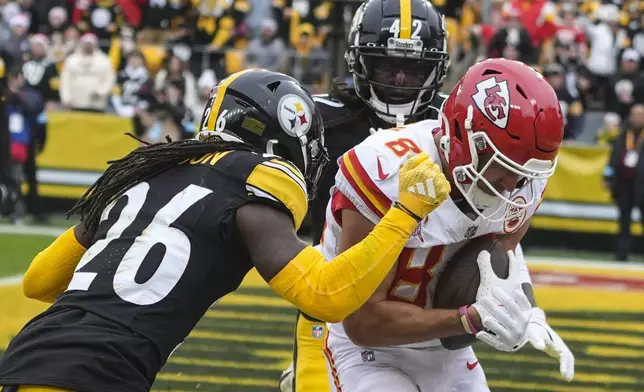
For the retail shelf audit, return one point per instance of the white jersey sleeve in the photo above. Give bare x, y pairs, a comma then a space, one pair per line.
368, 174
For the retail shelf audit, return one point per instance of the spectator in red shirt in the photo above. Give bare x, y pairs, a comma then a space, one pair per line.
570, 40
131, 11
537, 16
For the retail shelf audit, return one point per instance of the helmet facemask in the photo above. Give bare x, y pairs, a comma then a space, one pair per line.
397, 76
312, 159
485, 198
397, 82
317, 159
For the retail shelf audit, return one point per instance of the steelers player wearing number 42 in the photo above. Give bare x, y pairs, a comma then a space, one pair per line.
497, 142
171, 228
391, 86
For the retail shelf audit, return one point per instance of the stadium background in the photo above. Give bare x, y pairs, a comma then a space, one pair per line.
245, 342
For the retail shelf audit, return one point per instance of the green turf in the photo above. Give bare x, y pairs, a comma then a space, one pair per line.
231, 354
241, 352
55, 220
230, 350
60, 221
17, 251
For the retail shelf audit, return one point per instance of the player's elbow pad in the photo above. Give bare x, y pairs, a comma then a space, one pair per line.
331, 291
52, 269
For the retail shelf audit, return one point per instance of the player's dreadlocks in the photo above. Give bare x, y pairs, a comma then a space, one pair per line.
141, 165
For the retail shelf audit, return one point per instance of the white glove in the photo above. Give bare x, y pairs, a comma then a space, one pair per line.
286, 380
544, 338
505, 319
489, 280
502, 305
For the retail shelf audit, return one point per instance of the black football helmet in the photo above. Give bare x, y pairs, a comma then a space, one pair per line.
272, 112
397, 53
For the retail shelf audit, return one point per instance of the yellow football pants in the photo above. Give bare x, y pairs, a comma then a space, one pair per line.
308, 358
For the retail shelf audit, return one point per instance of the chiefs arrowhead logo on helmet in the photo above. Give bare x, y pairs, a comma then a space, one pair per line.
493, 99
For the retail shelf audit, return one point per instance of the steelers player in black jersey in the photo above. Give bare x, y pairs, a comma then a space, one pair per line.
397, 56
171, 228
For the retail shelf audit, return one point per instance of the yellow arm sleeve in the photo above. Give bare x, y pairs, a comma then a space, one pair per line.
52, 269
225, 30
331, 291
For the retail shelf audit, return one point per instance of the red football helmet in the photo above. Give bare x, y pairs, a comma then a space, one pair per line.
505, 108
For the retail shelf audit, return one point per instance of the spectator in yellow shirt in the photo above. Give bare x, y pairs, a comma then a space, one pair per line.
611, 129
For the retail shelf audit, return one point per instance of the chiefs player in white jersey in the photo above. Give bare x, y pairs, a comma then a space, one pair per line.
497, 144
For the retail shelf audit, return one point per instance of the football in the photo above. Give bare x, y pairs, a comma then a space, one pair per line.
458, 283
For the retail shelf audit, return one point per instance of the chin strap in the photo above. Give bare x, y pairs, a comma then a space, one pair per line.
400, 120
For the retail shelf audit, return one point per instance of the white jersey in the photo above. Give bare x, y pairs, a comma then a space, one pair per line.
368, 177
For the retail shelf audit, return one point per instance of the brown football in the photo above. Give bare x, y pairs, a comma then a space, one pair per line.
458, 283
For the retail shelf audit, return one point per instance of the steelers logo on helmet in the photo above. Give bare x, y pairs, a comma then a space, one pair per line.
294, 115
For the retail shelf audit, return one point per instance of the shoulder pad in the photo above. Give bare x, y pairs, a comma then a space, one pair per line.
368, 174
325, 99
332, 110
280, 182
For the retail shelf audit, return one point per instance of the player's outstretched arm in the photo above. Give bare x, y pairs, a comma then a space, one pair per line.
52, 269
328, 291
332, 290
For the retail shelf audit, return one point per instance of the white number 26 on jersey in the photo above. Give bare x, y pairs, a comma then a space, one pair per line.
175, 259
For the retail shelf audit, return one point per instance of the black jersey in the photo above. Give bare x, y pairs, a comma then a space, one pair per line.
164, 253
345, 128
39, 75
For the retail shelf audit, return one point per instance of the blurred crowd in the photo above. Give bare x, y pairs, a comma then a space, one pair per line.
155, 60
151, 61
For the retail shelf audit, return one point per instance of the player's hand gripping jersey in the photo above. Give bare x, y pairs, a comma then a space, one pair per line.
368, 182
